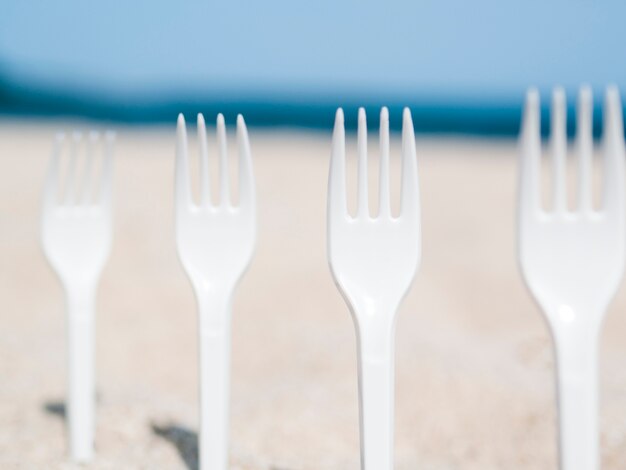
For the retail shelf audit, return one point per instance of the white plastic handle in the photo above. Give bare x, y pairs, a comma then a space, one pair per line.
214, 318
577, 382
81, 389
376, 388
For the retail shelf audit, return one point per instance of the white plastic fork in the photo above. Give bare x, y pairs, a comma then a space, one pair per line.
573, 262
374, 261
76, 237
215, 245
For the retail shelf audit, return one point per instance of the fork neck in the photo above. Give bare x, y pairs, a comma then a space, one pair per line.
214, 308
576, 341
375, 326
571, 324
80, 297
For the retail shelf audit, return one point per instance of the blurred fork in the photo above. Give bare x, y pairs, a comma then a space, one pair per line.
573, 262
373, 261
215, 245
76, 238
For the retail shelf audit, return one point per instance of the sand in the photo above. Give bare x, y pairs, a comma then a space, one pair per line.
474, 369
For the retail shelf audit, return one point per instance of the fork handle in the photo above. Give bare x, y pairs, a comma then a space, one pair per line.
577, 384
376, 389
214, 326
81, 389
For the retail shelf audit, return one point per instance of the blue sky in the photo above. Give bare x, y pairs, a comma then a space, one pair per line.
481, 51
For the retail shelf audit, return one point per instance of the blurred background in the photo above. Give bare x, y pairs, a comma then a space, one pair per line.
474, 371
461, 67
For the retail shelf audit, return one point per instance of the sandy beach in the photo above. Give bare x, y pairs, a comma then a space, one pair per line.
474, 366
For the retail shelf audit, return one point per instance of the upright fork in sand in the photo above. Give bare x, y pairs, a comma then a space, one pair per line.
215, 244
374, 261
573, 261
76, 234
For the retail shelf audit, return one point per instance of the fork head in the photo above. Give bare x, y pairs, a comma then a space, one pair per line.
373, 259
572, 261
76, 223
215, 241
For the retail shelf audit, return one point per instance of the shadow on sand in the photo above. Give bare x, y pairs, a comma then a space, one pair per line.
184, 439
55, 408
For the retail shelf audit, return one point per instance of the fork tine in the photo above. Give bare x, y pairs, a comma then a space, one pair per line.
85, 189
409, 202
205, 194
530, 152
337, 205
559, 149
70, 180
182, 186
383, 195
51, 184
223, 152
613, 142
246, 173
584, 131
362, 193
106, 191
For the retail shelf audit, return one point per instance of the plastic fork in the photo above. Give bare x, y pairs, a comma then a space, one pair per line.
215, 244
374, 261
76, 229
573, 261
